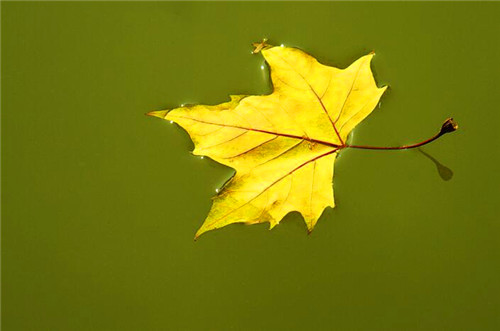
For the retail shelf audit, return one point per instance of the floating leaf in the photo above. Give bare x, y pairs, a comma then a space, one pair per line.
282, 145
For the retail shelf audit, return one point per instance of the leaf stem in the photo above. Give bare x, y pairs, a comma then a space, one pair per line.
448, 126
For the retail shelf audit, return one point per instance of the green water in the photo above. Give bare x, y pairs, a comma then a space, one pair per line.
100, 203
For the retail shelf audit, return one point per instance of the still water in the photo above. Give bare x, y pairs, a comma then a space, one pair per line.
100, 203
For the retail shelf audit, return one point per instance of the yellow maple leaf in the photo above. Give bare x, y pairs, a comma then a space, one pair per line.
282, 145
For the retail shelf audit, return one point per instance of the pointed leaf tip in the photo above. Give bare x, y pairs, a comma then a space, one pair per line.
259, 46
199, 233
158, 113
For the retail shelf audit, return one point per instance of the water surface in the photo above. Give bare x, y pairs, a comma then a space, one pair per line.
100, 203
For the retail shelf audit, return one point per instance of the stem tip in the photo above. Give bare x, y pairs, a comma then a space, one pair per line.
448, 126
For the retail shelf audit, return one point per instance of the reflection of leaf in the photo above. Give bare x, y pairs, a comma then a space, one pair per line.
282, 145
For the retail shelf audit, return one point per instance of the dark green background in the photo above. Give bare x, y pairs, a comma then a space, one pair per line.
100, 203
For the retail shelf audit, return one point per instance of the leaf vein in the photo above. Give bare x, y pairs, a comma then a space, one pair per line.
272, 184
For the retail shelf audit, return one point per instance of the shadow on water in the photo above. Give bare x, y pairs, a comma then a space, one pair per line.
444, 172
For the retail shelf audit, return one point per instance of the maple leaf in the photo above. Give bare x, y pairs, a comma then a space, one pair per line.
282, 145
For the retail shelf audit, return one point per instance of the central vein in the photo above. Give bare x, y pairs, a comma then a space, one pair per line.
322, 142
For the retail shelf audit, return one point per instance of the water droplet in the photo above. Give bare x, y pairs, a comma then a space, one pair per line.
262, 67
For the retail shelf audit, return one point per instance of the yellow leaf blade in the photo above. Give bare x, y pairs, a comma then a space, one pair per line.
282, 145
